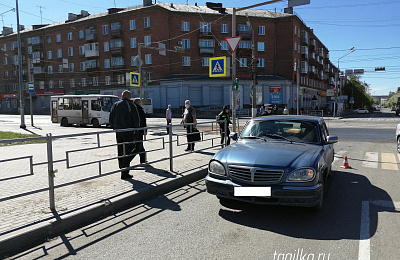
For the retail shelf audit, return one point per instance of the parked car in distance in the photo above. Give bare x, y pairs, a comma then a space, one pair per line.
393, 109
280, 160
361, 111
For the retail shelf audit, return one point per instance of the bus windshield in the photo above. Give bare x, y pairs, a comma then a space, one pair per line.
108, 102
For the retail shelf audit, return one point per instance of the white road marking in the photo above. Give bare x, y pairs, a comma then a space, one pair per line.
364, 247
371, 160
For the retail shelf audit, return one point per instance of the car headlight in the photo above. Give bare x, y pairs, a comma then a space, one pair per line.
301, 175
216, 167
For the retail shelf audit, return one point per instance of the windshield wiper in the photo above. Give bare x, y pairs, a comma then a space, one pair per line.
275, 136
253, 137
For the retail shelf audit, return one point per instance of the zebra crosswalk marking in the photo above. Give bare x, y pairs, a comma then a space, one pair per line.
371, 160
389, 162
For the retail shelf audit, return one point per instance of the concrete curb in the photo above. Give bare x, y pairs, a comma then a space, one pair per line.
36, 236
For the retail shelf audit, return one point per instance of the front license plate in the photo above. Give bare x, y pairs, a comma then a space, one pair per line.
252, 191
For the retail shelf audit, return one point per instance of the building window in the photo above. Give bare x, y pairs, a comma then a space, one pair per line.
48, 39
206, 43
29, 49
71, 66
261, 63
60, 84
72, 83
108, 80
120, 79
205, 61
6, 74
147, 40
205, 27
243, 28
15, 85
243, 62
185, 61
116, 43
185, 26
244, 45
49, 55
51, 84
5, 61
105, 29
4, 47
95, 81
50, 69
224, 28
70, 36
224, 46
185, 44
59, 53
106, 46
261, 46
117, 61
261, 30
132, 25
60, 68
81, 34
133, 43
134, 61
83, 82
41, 85
58, 38
107, 63
82, 50
83, 66
70, 51
147, 22
148, 59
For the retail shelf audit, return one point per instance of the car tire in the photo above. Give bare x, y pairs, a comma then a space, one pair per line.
319, 206
64, 122
398, 144
95, 122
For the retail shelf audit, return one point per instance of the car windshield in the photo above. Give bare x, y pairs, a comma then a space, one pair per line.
291, 130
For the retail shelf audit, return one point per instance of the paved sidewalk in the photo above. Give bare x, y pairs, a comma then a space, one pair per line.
82, 194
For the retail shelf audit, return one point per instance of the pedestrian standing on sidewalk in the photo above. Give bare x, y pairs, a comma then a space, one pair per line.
139, 147
124, 115
189, 116
224, 116
168, 116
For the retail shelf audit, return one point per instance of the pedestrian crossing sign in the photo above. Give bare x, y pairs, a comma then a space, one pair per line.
217, 67
134, 79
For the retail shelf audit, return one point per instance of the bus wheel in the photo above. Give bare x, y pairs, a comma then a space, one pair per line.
95, 122
64, 122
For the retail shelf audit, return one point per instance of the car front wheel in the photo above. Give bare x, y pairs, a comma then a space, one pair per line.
398, 144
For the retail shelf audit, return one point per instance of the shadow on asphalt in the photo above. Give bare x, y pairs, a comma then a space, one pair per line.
339, 219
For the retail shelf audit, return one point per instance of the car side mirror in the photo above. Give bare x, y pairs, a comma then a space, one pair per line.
332, 139
233, 136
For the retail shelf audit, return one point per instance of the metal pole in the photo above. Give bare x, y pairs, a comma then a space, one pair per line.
253, 68
233, 72
21, 102
298, 89
50, 171
171, 151
31, 107
140, 70
225, 132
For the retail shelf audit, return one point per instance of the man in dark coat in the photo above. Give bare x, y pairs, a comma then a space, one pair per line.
139, 148
189, 116
124, 115
224, 116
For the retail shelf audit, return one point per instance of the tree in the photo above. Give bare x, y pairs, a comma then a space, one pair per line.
359, 90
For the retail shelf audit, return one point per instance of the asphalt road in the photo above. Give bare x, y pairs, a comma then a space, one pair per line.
360, 219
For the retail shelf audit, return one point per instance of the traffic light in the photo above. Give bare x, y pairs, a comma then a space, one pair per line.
236, 84
335, 89
295, 99
380, 68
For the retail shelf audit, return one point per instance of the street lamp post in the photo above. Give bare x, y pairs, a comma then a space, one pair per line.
351, 50
20, 83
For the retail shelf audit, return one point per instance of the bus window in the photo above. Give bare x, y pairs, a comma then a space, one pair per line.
107, 103
96, 105
67, 103
76, 104
60, 104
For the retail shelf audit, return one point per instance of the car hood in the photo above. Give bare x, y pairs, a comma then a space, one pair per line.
275, 154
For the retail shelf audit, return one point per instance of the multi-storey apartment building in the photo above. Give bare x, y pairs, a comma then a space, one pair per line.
94, 53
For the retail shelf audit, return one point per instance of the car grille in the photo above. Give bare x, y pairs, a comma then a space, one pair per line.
254, 175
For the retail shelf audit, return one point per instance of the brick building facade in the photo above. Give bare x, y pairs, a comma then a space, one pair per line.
93, 54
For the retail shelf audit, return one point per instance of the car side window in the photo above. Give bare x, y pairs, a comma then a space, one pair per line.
325, 132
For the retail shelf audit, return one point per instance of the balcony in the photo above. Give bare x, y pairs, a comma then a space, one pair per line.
312, 42
117, 50
116, 32
304, 70
304, 40
91, 53
244, 33
207, 50
205, 34
38, 71
90, 37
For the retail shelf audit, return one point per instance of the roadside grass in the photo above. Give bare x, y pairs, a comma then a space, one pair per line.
11, 135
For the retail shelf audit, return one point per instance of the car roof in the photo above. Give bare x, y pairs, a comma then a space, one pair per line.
289, 117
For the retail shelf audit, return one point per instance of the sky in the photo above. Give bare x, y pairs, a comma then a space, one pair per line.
372, 27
